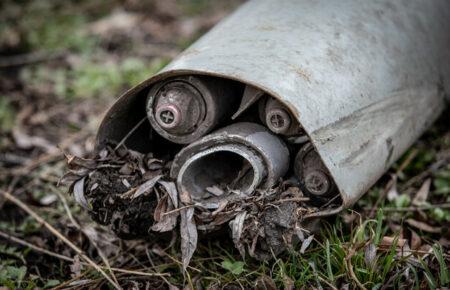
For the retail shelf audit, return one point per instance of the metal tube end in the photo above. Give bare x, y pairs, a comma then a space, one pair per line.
312, 173
186, 108
278, 121
226, 168
277, 117
168, 116
317, 182
239, 158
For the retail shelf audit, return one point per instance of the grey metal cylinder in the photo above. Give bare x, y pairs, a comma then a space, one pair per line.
242, 157
183, 109
277, 117
314, 178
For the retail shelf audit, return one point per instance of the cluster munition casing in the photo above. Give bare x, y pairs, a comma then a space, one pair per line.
364, 79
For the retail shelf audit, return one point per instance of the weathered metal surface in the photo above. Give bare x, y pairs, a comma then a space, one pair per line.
277, 117
363, 78
185, 108
251, 96
217, 158
314, 178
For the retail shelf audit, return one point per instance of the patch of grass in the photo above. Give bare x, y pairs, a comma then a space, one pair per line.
91, 79
235, 267
194, 7
12, 277
46, 25
442, 182
340, 256
59, 32
7, 115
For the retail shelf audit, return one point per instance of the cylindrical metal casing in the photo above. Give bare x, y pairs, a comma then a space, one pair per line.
363, 78
266, 153
211, 101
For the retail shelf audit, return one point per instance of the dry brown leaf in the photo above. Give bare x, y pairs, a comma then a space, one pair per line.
171, 190
306, 244
265, 283
237, 226
421, 196
165, 222
444, 242
185, 197
146, 187
370, 254
215, 190
154, 164
423, 226
25, 141
392, 193
222, 205
387, 242
69, 178
48, 199
288, 283
75, 162
172, 287
416, 241
161, 208
78, 193
189, 236
75, 267
299, 232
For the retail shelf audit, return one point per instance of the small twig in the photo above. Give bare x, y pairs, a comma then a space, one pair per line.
30, 58
407, 161
294, 199
330, 201
71, 260
178, 209
431, 169
326, 282
82, 229
33, 247
352, 273
55, 232
124, 139
392, 182
48, 157
177, 261
65, 283
66, 207
413, 252
413, 208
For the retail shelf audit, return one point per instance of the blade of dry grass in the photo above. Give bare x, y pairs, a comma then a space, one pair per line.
71, 260
55, 232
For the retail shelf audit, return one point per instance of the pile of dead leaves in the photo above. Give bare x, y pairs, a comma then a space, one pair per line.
131, 192
118, 188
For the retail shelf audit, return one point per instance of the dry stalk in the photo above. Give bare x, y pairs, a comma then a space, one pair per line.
55, 232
